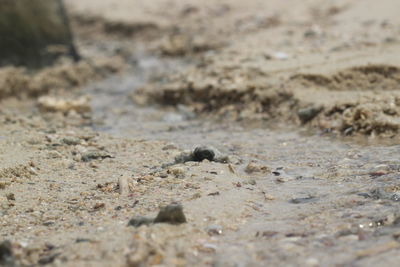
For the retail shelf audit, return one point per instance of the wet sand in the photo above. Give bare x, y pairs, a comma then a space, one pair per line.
302, 100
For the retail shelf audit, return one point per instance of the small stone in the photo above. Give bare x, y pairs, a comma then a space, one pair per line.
302, 200
201, 153
169, 147
163, 175
379, 170
48, 259
139, 221
91, 155
99, 205
6, 254
54, 154
82, 240
172, 214
214, 230
10, 196
252, 182
3, 184
71, 141
48, 223
309, 113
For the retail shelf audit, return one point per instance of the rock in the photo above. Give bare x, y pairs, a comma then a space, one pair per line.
71, 141
91, 155
309, 113
48, 259
380, 170
201, 153
99, 205
303, 200
214, 230
6, 254
10, 196
139, 221
37, 31
172, 214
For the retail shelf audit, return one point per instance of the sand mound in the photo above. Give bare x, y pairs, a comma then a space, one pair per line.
18, 81
361, 99
372, 77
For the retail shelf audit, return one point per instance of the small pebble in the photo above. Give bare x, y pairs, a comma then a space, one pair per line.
139, 221
214, 230
6, 254
172, 214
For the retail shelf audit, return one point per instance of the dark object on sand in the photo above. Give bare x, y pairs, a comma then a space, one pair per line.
201, 153
6, 254
34, 33
172, 214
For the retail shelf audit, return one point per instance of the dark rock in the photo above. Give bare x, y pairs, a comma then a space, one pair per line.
302, 200
91, 155
139, 221
202, 153
6, 254
71, 141
10, 196
199, 154
48, 259
48, 223
82, 240
172, 214
214, 230
307, 114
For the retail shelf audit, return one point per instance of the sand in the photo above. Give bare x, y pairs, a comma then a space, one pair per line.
301, 96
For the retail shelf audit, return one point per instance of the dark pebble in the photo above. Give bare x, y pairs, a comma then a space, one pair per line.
201, 153
6, 254
82, 240
302, 200
172, 214
95, 155
139, 221
307, 114
48, 259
